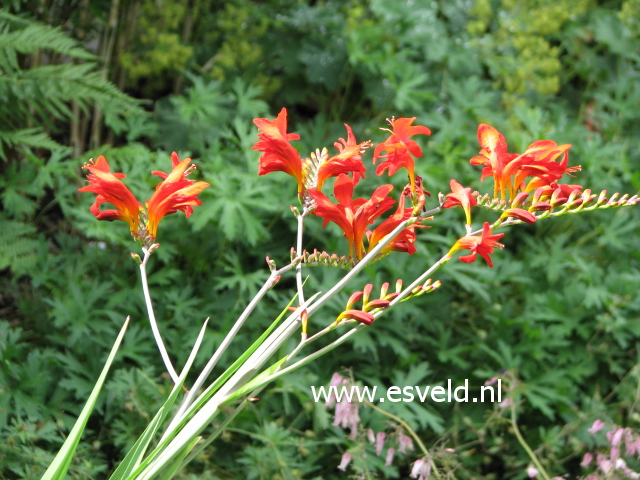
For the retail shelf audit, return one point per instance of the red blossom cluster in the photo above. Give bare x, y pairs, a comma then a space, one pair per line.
510, 171
352, 215
175, 192
535, 173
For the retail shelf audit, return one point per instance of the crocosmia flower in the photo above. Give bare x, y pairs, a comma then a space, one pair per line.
110, 189
482, 245
400, 149
352, 215
403, 241
543, 166
460, 196
493, 156
174, 193
349, 160
510, 170
278, 154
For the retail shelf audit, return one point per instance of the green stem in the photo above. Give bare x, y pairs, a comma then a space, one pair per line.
525, 445
411, 432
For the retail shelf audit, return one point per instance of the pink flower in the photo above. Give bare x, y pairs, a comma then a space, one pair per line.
491, 381
404, 443
337, 380
615, 436
347, 416
586, 460
596, 427
380, 438
421, 469
388, 461
344, 463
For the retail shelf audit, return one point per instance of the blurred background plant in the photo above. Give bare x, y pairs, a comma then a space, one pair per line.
135, 80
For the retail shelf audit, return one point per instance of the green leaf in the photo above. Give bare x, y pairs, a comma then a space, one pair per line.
58, 468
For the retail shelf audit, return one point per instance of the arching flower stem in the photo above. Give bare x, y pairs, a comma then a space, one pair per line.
152, 318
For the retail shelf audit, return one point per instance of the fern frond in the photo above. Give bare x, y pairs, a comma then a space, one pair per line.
28, 137
27, 37
17, 246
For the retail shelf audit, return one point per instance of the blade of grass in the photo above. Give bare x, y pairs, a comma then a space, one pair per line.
177, 423
58, 468
136, 454
177, 463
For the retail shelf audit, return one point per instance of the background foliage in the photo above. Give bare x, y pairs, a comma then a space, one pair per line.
135, 80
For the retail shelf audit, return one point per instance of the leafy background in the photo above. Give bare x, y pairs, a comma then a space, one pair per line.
136, 80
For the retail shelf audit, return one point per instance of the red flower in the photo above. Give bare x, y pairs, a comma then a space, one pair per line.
510, 170
278, 154
174, 193
400, 150
543, 166
111, 190
352, 215
482, 245
460, 196
402, 242
348, 160
493, 156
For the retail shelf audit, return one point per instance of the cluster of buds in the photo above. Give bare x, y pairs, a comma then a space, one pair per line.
323, 259
525, 205
367, 314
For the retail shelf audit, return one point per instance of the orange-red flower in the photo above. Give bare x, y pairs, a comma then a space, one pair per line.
482, 245
348, 160
111, 190
399, 148
278, 154
352, 215
174, 193
543, 166
493, 156
460, 196
403, 241
509, 170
